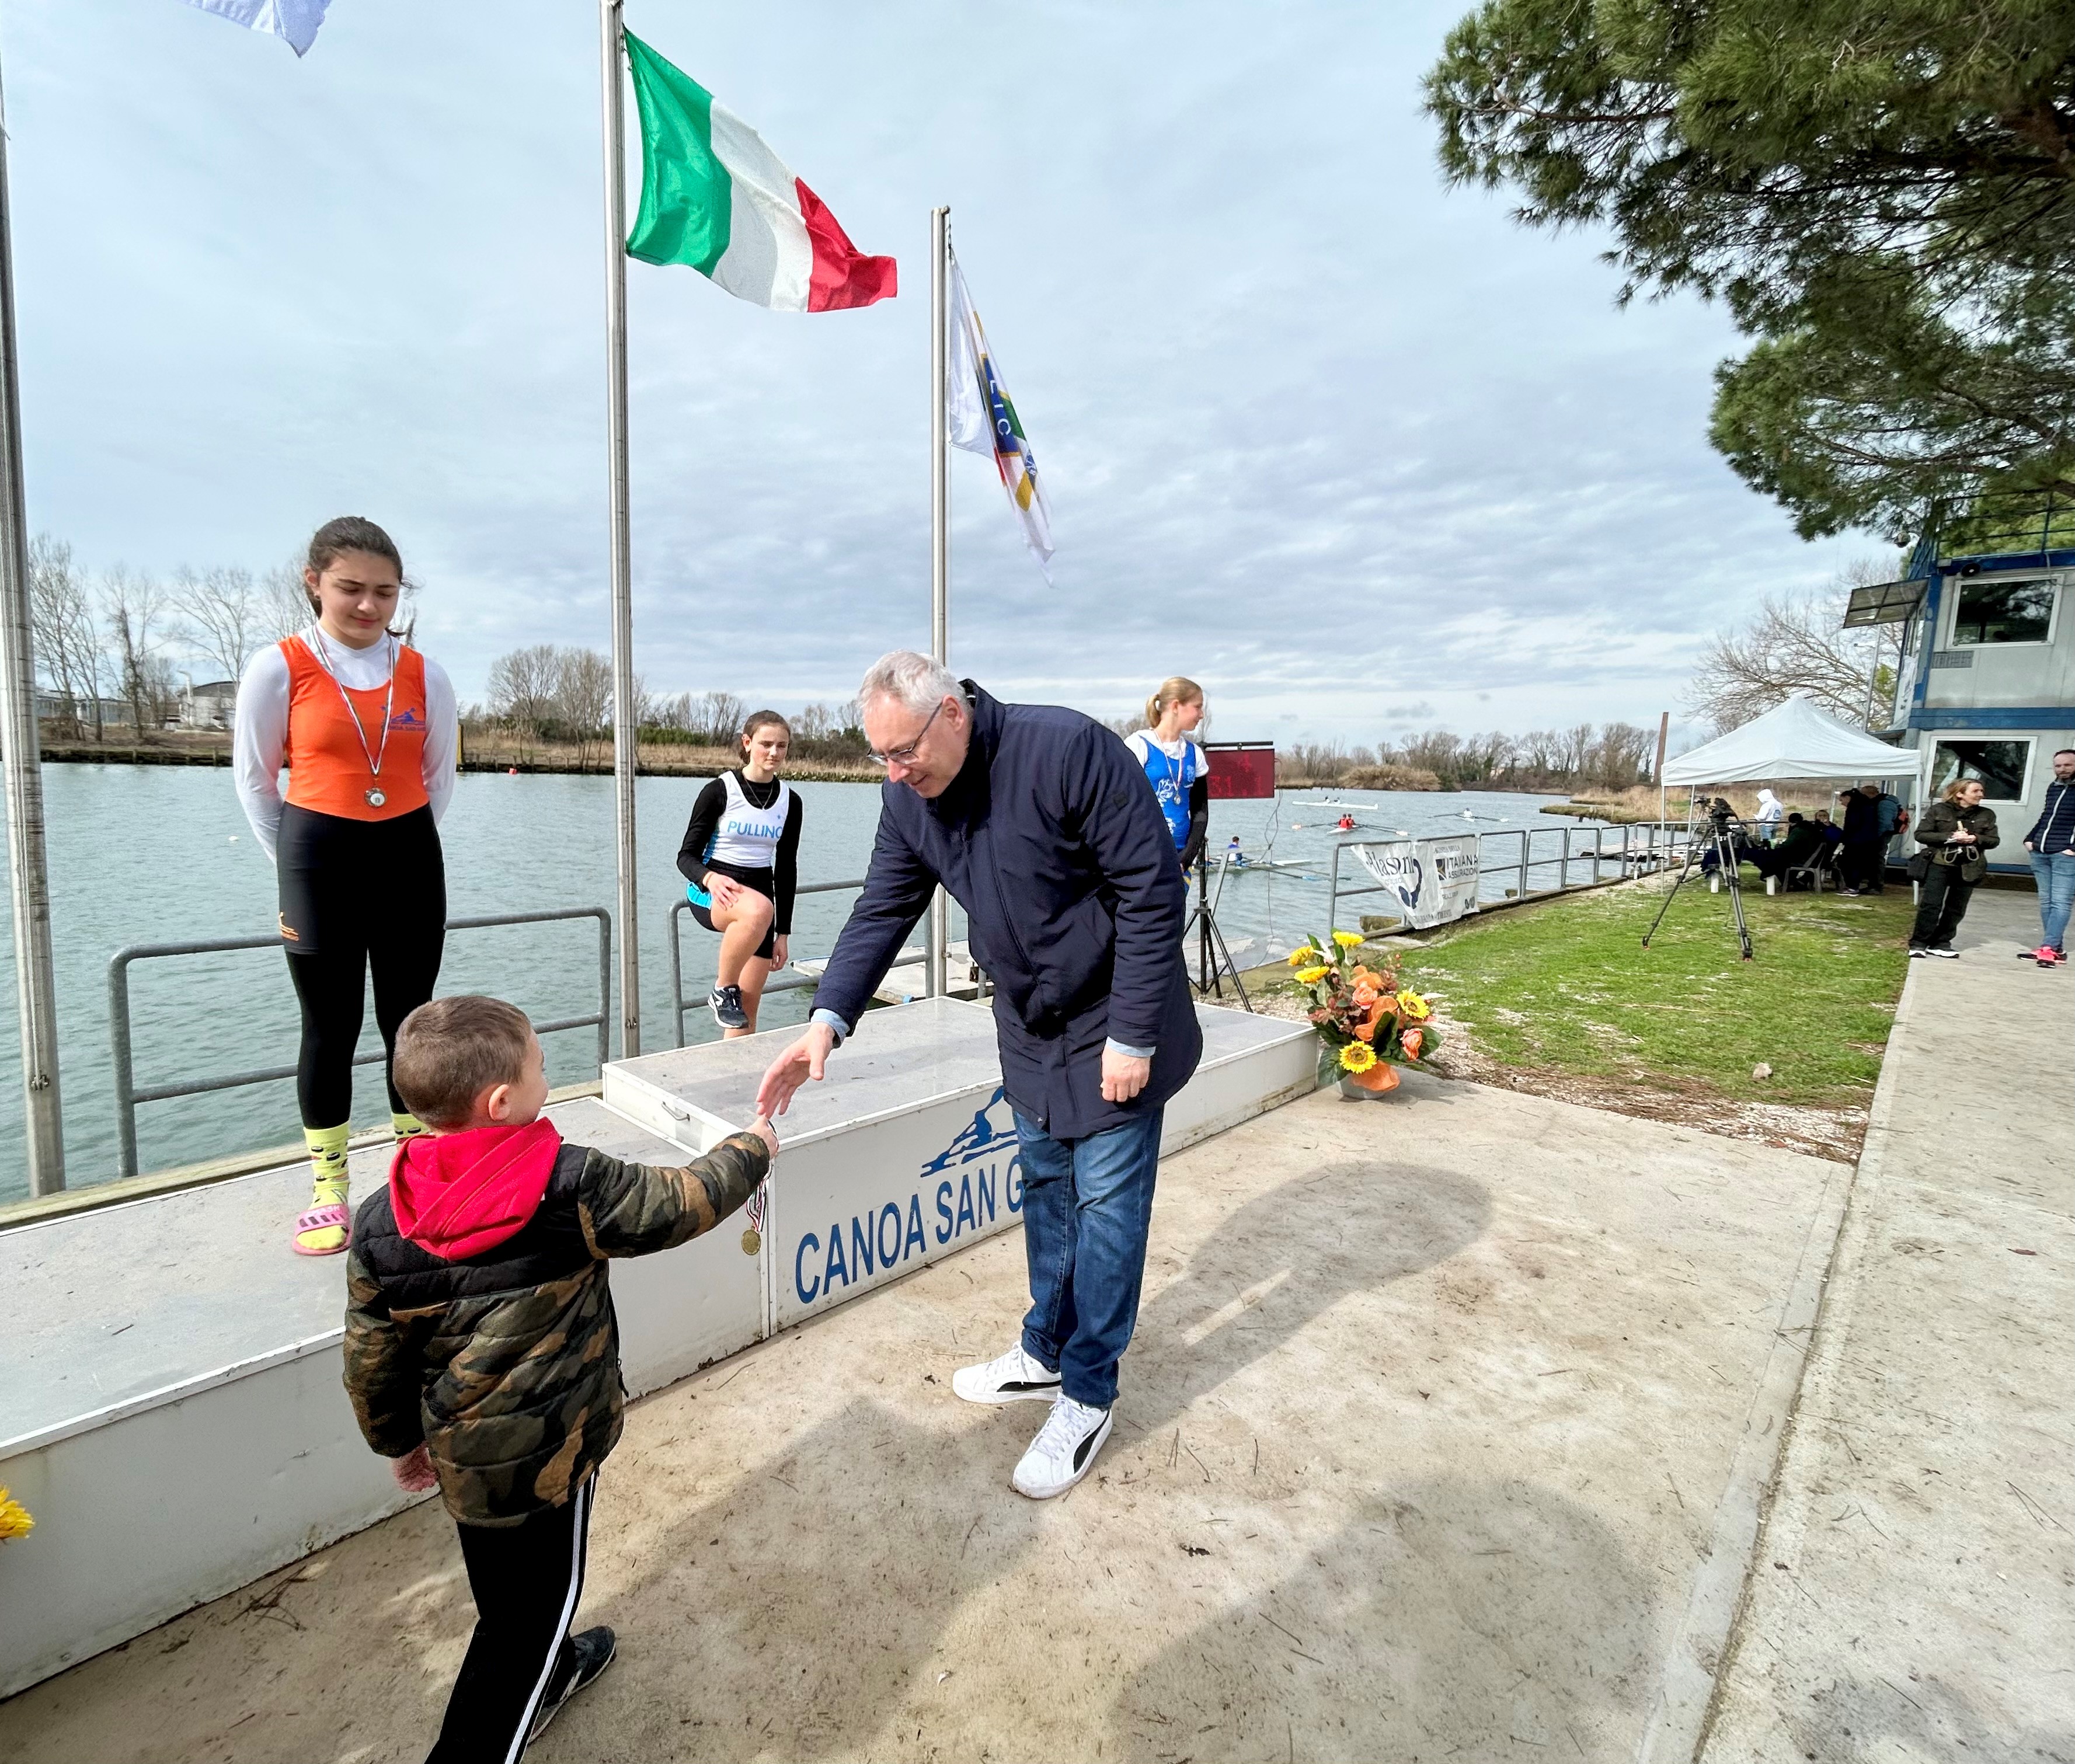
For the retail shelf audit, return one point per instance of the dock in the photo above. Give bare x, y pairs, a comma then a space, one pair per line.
1468, 1424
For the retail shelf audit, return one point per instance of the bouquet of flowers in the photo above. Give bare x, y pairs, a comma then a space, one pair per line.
1368, 1022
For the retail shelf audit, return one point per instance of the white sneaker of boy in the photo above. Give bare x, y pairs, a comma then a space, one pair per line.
1015, 1378
1064, 1450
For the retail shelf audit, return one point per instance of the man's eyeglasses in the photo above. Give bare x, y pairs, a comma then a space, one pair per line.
906, 756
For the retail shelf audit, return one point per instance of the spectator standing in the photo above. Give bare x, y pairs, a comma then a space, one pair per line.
2051, 847
1771, 811
1865, 844
1956, 833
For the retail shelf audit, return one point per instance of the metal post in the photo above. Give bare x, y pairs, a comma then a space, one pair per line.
935, 937
625, 730
1526, 839
1663, 738
21, 757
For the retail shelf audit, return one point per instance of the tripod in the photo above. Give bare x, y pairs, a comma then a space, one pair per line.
1722, 841
1203, 921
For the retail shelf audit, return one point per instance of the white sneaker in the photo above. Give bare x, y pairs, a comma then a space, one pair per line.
1015, 1378
1064, 1450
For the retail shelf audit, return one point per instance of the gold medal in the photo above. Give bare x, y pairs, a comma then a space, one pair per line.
752, 1241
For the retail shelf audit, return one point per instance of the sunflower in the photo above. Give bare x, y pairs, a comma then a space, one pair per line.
1357, 1057
1348, 940
1311, 976
1415, 1008
1303, 953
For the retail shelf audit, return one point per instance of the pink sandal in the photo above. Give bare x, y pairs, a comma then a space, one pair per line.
320, 1219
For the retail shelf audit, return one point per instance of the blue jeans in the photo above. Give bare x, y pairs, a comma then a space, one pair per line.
2055, 877
1086, 1206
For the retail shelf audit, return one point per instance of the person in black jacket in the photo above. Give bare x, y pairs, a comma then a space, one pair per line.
1957, 834
1864, 854
1041, 826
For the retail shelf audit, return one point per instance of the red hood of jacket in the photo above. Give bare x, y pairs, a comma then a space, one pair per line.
457, 1194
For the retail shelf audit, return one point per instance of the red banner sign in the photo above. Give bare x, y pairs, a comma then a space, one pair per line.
1241, 768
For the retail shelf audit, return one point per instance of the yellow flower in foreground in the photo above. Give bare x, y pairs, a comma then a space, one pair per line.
1302, 954
14, 1520
1357, 1056
1348, 940
1311, 976
1413, 1006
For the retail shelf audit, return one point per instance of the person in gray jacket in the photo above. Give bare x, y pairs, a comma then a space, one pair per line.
1956, 833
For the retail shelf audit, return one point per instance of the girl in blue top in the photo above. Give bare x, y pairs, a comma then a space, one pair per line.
1175, 764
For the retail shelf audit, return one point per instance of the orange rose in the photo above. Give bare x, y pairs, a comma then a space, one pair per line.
1366, 1030
1412, 1041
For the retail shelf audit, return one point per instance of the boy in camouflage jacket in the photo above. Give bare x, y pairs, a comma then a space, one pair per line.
481, 1348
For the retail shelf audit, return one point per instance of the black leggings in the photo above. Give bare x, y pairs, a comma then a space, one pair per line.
356, 896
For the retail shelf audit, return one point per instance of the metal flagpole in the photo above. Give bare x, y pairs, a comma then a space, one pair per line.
934, 939
612, 52
21, 756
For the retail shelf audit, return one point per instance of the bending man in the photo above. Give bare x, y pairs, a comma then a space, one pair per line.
1040, 824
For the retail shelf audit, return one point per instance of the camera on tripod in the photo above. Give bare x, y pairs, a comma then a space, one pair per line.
1724, 817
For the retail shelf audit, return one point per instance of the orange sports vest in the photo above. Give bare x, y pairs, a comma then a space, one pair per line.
328, 769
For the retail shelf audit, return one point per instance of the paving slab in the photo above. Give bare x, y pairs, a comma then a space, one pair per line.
1913, 1595
1419, 1452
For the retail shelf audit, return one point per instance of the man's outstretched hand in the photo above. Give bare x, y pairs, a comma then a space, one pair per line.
805, 1058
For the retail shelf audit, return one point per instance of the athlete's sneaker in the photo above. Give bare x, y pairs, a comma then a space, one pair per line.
1015, 1378
1064, 1450
1917, 952
1945, 955
2047, 956
592, 1652
726, 1002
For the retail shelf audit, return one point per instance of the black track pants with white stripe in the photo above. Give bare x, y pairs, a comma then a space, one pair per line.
526, 1579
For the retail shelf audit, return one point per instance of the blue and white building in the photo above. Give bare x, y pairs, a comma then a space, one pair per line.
1985, 682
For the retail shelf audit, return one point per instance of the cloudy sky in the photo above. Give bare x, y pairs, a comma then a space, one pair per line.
1358, 453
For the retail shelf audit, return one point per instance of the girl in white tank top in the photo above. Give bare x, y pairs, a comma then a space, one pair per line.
738, 863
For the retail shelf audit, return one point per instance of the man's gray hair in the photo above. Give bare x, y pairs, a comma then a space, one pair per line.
915, 680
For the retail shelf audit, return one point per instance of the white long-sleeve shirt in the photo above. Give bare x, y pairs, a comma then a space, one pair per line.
262, 735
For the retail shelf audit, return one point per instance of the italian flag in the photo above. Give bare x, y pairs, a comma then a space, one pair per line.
714, 196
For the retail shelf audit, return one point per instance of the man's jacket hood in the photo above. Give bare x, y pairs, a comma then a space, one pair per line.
457, 1194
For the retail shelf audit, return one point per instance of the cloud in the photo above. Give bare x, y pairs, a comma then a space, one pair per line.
1316, 432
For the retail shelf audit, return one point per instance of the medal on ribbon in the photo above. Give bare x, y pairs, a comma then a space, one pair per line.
752, 1239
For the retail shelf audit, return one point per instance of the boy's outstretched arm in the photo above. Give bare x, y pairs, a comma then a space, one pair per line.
636, 1209
382, 1373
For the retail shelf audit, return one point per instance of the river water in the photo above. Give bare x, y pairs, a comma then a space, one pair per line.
152, 854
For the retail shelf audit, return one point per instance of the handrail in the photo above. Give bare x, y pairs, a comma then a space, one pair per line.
128, 1095
778, 982
1632, 857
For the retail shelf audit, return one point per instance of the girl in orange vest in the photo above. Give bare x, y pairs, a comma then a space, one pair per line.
367, 728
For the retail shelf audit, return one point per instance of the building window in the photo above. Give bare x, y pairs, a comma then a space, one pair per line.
2000, 767
2003, 611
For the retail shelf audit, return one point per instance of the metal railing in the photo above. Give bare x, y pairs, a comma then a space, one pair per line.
1644, 845
128, 1095
778, 982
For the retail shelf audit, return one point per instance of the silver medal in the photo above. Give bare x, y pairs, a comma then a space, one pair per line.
375, 799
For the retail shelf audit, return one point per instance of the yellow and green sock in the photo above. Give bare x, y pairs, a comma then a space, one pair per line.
406, 1126
328, 1186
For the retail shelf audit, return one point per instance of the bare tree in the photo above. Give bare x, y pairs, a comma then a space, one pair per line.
583, 698
283, 605
222, 619
815, 723
523, 688
1793, 646
67, 645
719, 716
133, 612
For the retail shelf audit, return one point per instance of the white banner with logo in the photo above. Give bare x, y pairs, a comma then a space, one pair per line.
1433, 880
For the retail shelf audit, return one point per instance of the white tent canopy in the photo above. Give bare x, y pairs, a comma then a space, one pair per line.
1791, 740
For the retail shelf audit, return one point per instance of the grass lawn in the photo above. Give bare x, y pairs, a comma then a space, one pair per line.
1567, 987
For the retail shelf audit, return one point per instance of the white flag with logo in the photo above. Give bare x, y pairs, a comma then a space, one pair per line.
295, 21
983, 421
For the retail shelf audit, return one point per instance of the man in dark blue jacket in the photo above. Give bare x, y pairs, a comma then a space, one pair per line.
1038, 822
